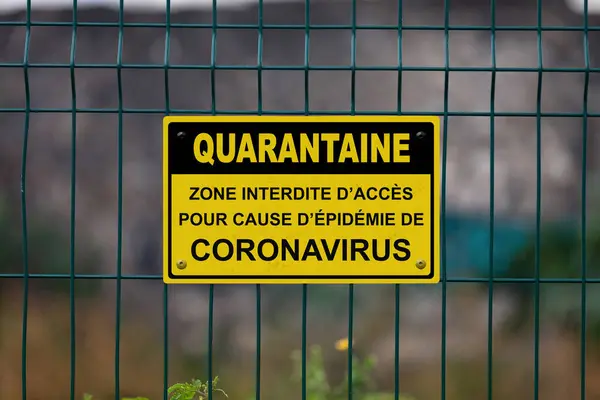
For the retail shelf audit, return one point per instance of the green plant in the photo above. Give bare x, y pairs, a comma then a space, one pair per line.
318, 386
193, 390
196, 389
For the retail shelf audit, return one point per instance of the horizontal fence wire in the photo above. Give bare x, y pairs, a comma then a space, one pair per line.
586, 280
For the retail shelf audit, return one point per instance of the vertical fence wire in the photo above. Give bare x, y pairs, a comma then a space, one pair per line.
351, 286
258, 342
397, 287
443, 279
259, 74
211, 289
538, 209
24, 224
584, 201
306, 57
72, 261
350, 337
119, 202
490, 327
211, 308
304, 304
165, 294
165, 342
304, 323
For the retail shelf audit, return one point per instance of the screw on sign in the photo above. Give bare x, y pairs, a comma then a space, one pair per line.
421, 264
181, 264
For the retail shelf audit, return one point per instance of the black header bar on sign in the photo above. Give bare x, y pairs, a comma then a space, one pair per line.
300, 148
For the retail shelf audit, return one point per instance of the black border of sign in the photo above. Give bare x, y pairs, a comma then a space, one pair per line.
296, 278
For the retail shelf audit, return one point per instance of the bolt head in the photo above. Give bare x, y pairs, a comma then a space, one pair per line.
421, 264
420, 135
180, 135
181, 264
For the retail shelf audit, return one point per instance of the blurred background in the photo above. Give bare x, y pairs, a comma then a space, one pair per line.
86, 236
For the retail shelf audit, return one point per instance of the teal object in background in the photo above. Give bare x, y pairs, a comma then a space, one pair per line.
468, 244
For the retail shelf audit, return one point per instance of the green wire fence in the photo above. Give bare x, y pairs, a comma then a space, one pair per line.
72, 276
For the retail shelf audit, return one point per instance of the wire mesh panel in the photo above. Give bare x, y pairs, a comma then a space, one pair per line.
82, 93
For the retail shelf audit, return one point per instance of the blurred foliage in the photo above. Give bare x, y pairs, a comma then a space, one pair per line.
48, 252
559, 256
318, 386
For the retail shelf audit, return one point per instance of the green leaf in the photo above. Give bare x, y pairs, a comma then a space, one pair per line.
182, 391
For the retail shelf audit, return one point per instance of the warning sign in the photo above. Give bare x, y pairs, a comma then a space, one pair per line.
301, 199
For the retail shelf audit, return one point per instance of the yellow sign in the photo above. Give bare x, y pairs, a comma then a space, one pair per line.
319, 199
